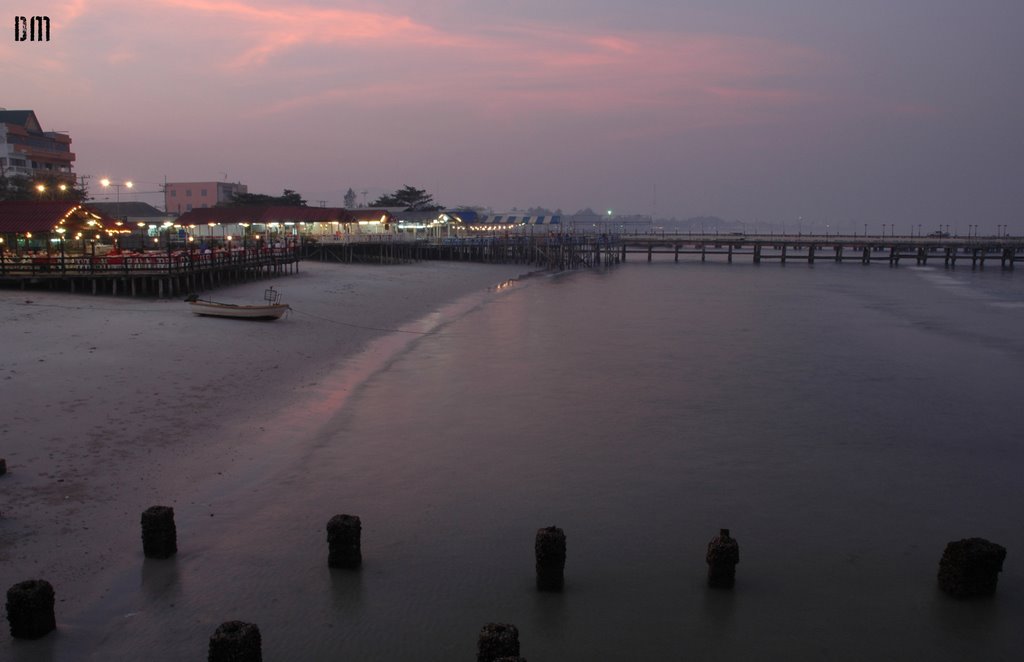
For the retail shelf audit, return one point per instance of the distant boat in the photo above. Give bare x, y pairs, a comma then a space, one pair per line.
271, 310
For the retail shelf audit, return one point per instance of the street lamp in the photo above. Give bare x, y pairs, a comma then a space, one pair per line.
60, 234
106, 183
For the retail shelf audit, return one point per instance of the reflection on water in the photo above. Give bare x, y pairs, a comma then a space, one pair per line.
844, 422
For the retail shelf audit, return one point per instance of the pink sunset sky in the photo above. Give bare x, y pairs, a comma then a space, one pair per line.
838, 112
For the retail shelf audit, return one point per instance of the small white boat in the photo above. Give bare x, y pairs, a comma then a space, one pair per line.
271, 310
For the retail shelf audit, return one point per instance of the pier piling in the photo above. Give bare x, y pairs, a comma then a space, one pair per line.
343, 540
970, 567
236, 641
30, 609
549, 549
722, 557
497, 641
159, 535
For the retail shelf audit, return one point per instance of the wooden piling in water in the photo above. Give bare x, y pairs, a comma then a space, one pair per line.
159, 535
549, 549
970, 567
236, 641
30, 609
497, 641
344, 534
722, 557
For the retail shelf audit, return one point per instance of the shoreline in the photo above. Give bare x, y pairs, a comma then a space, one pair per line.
113, 405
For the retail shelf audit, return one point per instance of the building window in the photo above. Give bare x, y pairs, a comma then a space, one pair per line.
203, 194
188, 207
174, 193
188, 193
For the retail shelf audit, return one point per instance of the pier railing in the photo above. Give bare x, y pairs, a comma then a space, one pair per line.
837, 247
160, 273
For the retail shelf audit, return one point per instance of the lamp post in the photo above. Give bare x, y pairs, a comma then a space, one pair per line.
106, 183
60, 234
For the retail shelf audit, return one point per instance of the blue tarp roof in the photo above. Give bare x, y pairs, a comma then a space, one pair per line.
506, 219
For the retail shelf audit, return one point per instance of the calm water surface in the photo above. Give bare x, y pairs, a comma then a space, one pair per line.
845, 422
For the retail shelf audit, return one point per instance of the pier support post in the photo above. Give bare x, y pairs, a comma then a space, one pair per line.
722, 557
30, 609
549, 549
344, 534
970, 567
497, 640
3, 466
236, 641
159, 535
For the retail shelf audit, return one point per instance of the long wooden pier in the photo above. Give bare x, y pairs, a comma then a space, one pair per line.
150, 274
176, 273
547, 251
837, 248
572, 251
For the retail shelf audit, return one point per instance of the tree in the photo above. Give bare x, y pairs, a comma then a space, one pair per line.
287, 199
408, 198
350, 199
21, 187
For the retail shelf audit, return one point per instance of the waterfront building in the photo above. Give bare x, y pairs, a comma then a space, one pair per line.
182, 197
146, 222
28, 151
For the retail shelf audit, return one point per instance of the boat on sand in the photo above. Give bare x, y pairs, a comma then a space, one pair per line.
271, 310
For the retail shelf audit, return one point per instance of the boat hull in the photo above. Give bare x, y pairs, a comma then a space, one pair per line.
269, 312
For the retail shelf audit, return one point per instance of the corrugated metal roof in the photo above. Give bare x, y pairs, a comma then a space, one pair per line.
232, 214
25, 118
131, 209
20, 216
278, 214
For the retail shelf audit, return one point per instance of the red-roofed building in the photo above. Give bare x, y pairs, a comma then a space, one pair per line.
240, 221
35, 224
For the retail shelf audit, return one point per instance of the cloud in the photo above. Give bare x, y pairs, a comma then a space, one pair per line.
312, 56
568, 68
277, 27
